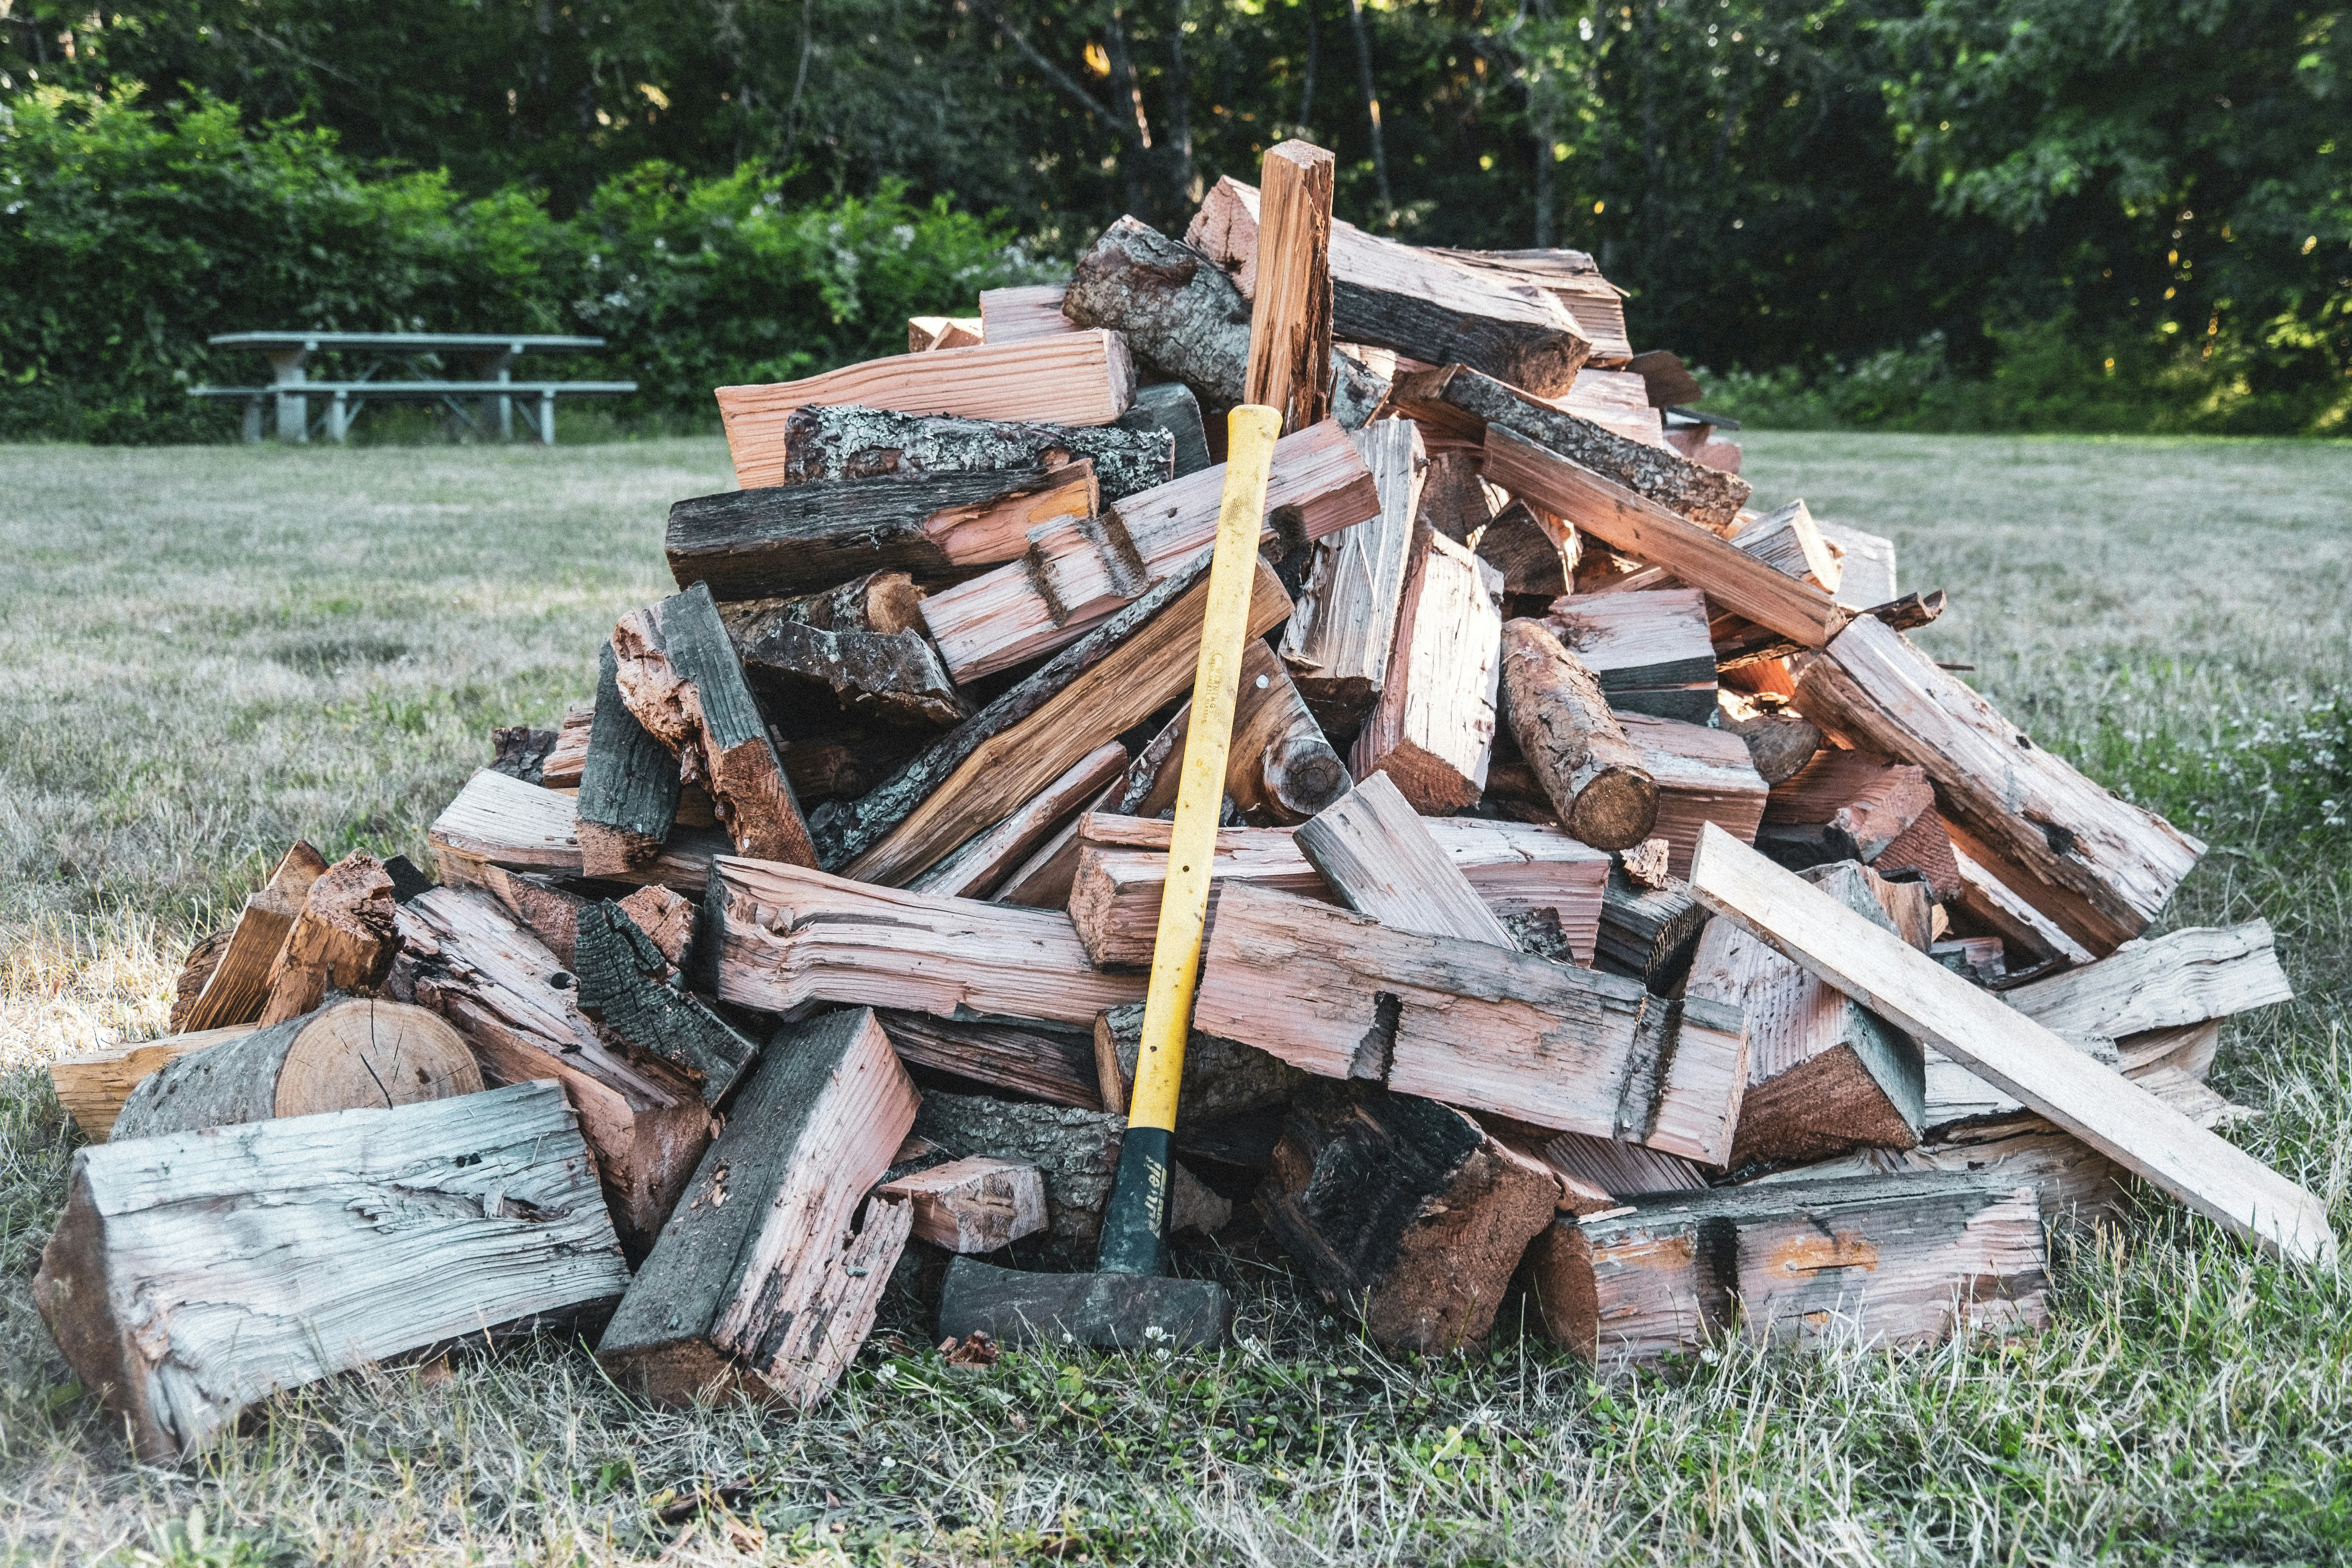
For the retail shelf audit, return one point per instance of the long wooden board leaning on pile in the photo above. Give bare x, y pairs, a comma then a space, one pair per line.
1612, 902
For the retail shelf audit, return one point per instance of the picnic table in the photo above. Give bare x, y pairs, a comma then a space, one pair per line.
487, 358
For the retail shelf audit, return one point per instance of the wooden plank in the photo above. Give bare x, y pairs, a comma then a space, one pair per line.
1518, 868
766, 1278
1083, 378
825, 442
1486, 1028
1379, 856
786, 936
1337, 644
1290, 311
1917, 995
238, 987
1106, 682
387, 1231
1077, 576
1643, 528
1433, 728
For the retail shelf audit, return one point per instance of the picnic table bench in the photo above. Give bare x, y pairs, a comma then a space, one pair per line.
488, 358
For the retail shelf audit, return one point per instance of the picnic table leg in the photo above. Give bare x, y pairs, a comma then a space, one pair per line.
547, 419
253, 420
293, 408
339, 419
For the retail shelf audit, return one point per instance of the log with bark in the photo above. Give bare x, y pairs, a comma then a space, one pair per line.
1279, 768
350, 1055
1184, 319
1570, 277
975, 1205
197, 1273
1433, 728
2074, 1184
1702, 775
94, 1085
2100, 866
629, 985
765, 1279
1378, 854
885, 677
629, 786
1487, 1027
1897, 1262
1222, 1078
521, 751
1649, 651
1337, 644
1417, 302
496, 821
1595, 778
1077, 378
239, 985
1169, 408
342, 940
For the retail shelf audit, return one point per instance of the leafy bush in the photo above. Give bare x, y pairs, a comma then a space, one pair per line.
128, 235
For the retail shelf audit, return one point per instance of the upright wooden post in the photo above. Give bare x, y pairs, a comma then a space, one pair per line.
1290, 320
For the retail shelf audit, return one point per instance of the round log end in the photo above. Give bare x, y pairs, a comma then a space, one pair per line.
360, 1054
1304, 775
1616, 810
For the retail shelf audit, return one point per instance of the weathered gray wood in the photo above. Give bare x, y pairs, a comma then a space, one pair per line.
1337, 644
496, 821
1896, 1261
2161, 982
1222, 1078
1135, 1312
624, 986
1433, 728
678, 673
2075, 1183
1169, 407
1486, 1027
891, 678
1649, 933
197, 1273
628, 786
1592, 774
348, 1056
845, 441
1184, 318
765, 1279
1057, 1066
1403, 1211
1461, 403
1371, 846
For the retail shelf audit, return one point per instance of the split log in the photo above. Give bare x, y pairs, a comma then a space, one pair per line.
884, 602
1915, 993
1643, 528
2074, 1183
1403, 1212
1982, 902
1535, 554
844, 764
1905, 904
1018, 314
1043, 880
1185, 320
1077, 378
497, 821
1222, 1078
1078, 1153
1518, 868
2120, 861
1378, 854
1106, 682
570, 753
1564, 728
1465, 405
1702, 775
1788, 541
785, 937
1337, 644
1416, 301
1650, 933
1925, 849
342, 940
1279, 768
849, 442
1076, 575
194, 1274
927, 333
1899, 1262
1598, 1173
238, 987
352, 1055
1169, 408
94, 1085
1487, 1027
518, 1008
970, 1205
1842, 806
1055, 1066
1290, 315
624, 983
679, 676
1779, 741
1455, 500
1570, 277
974, 871
1866, 565
521, 751
196, 969
1620, 401
552, 914
2170, 982
889, 678
629, 784
1432, 729
1649, 651
765, 1279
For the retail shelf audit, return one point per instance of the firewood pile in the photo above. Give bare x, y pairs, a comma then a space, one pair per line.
1616, 915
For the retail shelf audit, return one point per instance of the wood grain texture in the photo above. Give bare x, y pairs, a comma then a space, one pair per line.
500, 821
1486, 1027
342, 940
1432, 729
238, 987
1025, 311
786, 936
974, 871
94, 1085
1055, 1066
1650, 651
1279, 768
624, 985
2120, 861
848, 442
1080, 378
974, 1205
2168, 982
1974, 1027
1702, 775
629, 784
1337, 644
195, 1273
1376, 853
766, 1277
1290, 311
1570, 740
1222, 1078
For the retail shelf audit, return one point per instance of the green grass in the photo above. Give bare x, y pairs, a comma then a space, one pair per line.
212, 650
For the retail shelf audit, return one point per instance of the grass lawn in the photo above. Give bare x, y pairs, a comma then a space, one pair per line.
214, 650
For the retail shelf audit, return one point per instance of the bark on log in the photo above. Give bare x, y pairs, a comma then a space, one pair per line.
352, 1054
387, 1231
1591, 774
893, 678
765, 1279
1781, 742
238, 987
521, 751
1702, 775
503, 821
342, 940
1649, 650
1185, 320
629, 784
1169, 408
1222, 1078
626, 984
94, 1085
